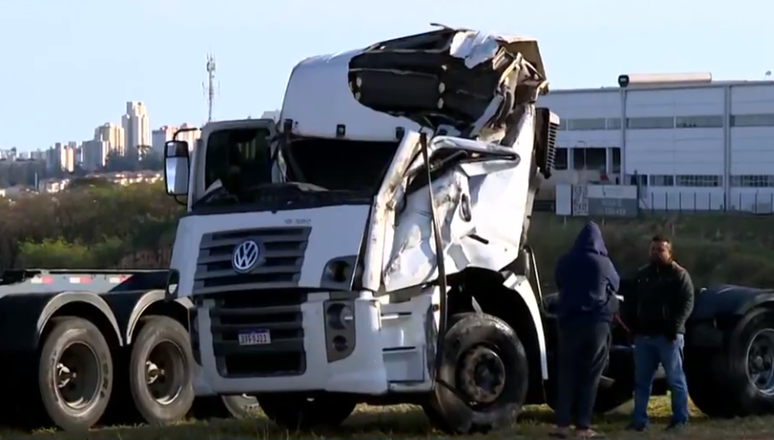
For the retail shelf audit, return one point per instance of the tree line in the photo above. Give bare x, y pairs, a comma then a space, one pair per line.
93, 224
100, 225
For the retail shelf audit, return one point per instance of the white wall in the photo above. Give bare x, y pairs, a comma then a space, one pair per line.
752, 148
676, 151
671, 151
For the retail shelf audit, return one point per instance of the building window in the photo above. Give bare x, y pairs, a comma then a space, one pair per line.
560, 162
650, 122
637, 179
616, 159
562, 124
753, 181
757, 120
698, 180
662, 180
589, 159
613, 123
587, 124
699, 121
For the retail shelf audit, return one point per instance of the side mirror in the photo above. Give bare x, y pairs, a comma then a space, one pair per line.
176, 167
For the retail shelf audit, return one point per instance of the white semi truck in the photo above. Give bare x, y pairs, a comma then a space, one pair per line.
370, 246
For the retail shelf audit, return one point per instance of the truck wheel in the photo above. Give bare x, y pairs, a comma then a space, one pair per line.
298, 412
161, 371
75, 374
482, 383
704, 371
745, 368
240, 406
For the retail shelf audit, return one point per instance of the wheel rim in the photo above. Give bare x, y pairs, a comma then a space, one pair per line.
165, 372
760, 361
482, 376
78, 376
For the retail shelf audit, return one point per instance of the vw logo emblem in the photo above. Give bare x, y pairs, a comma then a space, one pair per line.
246, 256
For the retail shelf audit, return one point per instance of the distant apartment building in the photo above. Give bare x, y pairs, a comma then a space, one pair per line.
160, 136
114, 135
167, 132
61, 157
95, 154
136, 126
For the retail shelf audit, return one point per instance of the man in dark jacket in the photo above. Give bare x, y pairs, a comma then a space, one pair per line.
655, 309
587, 282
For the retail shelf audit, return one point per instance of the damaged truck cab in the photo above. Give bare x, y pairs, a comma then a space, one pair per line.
370, 246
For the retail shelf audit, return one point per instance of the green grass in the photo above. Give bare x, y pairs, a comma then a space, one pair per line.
408, 422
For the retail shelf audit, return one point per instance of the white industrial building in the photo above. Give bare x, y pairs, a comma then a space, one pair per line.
688, 142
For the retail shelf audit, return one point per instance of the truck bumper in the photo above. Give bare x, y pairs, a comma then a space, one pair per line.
361, 372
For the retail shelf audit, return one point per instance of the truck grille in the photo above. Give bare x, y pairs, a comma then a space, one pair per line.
282, 254
279, 313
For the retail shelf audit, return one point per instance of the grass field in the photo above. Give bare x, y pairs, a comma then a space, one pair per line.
408, 422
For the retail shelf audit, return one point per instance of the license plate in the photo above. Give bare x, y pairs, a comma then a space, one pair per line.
255, 337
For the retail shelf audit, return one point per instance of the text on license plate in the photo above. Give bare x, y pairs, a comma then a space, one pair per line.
255, 337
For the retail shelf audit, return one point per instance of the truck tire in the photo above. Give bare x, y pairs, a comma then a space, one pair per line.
161, 371
241, 406
482, 383
745, 370
703, 369
298, 412
75, 374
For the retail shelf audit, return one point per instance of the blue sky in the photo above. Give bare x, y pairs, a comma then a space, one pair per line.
69, 66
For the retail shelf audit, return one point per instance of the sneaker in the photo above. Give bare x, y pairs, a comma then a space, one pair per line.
675, 426
560, 432
635, 427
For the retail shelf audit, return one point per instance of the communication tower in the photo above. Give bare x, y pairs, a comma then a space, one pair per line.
210, 87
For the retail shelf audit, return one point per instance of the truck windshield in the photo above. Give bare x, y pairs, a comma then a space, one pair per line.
243, 151
341, 165
320, 172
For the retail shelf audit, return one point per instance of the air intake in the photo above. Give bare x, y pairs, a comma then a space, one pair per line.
545, 140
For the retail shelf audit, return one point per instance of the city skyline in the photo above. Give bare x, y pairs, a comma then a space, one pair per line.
131, 139
69, 81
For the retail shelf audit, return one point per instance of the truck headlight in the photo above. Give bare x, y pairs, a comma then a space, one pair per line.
340, 316
338, 271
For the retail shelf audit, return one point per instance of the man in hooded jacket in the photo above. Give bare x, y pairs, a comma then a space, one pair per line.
587, 303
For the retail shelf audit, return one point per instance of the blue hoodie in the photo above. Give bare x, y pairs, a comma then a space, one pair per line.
587, 280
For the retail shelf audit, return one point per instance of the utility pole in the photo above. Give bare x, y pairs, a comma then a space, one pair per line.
210, 87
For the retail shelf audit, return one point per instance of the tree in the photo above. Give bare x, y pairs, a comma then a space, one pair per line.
94, 224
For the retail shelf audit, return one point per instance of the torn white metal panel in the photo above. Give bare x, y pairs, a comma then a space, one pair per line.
499, 197
497, 191
474, 47
382, 208
412, 258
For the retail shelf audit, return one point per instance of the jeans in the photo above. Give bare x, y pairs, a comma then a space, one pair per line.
583, 353
649, 352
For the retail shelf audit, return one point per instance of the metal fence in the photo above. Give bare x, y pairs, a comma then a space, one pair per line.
741, 203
